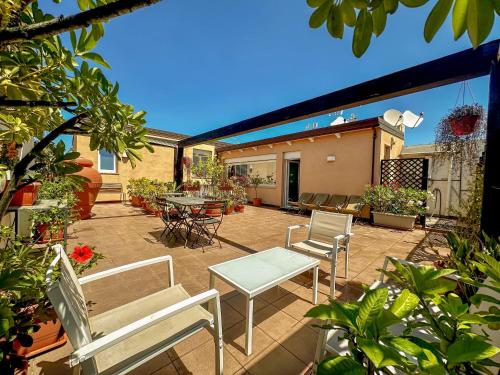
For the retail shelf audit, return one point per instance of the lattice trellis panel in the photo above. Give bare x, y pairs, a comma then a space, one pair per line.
405, 172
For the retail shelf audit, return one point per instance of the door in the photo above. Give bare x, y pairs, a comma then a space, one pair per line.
292, 179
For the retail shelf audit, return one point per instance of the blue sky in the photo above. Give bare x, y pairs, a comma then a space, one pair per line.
195, 65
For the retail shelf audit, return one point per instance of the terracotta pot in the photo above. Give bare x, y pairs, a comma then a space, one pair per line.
88, 196
44, 235
191, 188
406, 222
257, 202
464, 125
213, 210
26, 196
136, 201
50, 336
228, 210
239, 208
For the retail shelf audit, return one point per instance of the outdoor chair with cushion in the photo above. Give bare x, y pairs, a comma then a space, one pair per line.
319, 200
335, 204
171, 217
299, 205
205, 222
356, 207
331, 341
120, 340
328, 234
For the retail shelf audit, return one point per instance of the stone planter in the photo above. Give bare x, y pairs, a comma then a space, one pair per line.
406, 222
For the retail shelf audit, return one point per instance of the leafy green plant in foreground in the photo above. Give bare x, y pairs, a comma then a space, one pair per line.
453, 342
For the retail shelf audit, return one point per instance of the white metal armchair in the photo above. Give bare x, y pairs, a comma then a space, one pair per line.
328, 233
120, 340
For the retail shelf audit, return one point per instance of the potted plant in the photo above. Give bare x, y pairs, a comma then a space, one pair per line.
464, 119
49, 223
455, 340
460, 136
211, 171
191, 186
229, 208
239, 192
134, 192
29, 325
255, 182
394, 206
26, 195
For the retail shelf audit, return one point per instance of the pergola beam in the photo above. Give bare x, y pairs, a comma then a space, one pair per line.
450, 69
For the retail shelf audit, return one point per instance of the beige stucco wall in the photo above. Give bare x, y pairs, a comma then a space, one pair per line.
159, 165
348, 174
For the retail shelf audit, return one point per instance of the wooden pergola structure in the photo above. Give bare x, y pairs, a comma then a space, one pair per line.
464, 65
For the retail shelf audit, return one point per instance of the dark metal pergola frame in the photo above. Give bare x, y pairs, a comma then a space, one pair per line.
447, 70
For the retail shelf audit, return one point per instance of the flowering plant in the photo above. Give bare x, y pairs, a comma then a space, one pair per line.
394, 199
83, 258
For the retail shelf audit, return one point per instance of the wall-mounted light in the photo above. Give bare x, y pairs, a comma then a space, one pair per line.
330, 158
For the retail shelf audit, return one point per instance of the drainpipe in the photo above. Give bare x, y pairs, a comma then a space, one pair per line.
373, 154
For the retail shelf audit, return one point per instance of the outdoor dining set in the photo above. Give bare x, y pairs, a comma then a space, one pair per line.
193, 220
151, 325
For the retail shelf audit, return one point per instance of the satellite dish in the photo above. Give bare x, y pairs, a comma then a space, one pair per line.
393, 117
339, 120
411, 120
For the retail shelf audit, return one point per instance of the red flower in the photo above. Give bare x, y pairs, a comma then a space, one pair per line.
81, 253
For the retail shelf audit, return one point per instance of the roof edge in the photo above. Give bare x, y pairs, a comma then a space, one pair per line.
351, 126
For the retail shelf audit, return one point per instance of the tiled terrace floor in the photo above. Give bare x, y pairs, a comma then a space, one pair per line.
284, 341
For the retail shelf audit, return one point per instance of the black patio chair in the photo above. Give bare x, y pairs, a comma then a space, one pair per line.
171, 217
205, 222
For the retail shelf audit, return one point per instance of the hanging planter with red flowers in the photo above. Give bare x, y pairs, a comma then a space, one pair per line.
460, 135
464, 120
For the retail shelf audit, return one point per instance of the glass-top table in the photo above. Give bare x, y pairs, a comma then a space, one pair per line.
256, 273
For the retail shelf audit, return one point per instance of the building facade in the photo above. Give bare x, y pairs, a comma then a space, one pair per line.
159, 164
340, 159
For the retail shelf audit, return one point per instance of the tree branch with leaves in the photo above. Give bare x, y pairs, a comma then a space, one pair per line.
369, 17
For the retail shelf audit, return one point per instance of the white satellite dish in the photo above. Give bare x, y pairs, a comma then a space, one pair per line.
411, 120
393, 117
339, 120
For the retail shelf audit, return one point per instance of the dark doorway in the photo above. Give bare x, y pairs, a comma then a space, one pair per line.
293, 180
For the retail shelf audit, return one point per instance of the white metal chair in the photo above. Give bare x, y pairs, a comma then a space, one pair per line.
120, 340
328, 233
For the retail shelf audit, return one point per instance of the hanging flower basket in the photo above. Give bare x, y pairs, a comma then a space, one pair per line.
464, 125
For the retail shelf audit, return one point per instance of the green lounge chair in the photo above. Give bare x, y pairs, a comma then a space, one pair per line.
335, 204
298, 205
319, 200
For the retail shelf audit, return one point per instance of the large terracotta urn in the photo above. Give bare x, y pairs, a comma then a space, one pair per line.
88, 196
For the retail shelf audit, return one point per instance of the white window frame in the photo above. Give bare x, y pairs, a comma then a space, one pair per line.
255, 159
114, 170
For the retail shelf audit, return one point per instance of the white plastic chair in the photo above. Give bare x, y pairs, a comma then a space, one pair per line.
328, 233
120, 340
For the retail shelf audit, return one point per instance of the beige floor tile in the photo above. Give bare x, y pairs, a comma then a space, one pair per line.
124, 234
274, 322
235, 342
276, 360
301, 342
202, 361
